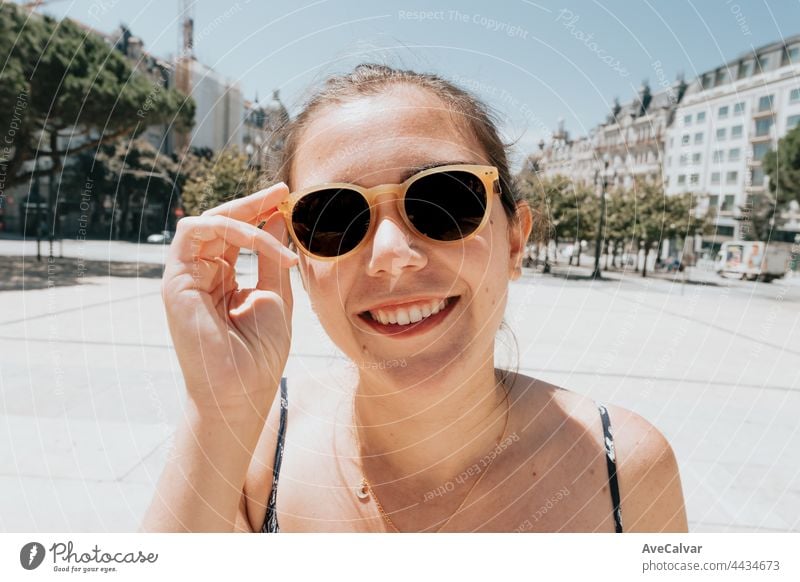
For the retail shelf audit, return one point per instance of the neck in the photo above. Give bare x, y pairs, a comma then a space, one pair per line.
424, 433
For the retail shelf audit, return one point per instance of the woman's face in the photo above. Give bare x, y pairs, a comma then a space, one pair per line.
382, 139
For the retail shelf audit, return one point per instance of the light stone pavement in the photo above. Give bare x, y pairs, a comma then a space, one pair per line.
91, 390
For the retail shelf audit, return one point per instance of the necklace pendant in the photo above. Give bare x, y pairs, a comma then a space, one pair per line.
362, 492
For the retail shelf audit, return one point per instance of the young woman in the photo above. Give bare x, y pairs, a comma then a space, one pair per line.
397, 198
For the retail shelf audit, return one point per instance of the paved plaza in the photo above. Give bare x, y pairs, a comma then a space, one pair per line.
91, 389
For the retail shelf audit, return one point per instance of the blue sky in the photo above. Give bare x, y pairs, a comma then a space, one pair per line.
533, 61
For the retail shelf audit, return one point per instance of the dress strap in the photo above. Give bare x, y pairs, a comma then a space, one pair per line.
611, 463
270, 524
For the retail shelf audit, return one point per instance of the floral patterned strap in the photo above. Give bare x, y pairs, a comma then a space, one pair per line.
611, 463
270, 524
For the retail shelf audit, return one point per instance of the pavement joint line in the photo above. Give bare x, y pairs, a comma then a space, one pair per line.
141, 462
660, 379
78, 308
734, 333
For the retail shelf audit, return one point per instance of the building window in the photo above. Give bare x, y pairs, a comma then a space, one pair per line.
757, 177
765, 103
738, 109
734, 154
715, 178
694, 179
721, 77
698, 138
792, 121
763, 126
760, 149
794, 96
683, 160
713, 200
687, 119
790, 55
731, 177
736, 131
681, 179
707, 81
701, 116
721, 132
685, 139
723, 112
719, 156
763, 62
727, 205
696, 158
744, 69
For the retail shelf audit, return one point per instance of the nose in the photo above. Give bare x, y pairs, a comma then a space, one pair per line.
392, 253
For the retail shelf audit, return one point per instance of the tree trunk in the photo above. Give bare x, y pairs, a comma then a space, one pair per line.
638, 250
546, 268
646, 254
555, 257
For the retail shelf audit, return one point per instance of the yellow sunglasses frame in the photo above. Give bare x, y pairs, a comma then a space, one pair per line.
487, 174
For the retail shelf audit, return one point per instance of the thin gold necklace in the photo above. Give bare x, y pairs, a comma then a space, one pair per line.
365, 490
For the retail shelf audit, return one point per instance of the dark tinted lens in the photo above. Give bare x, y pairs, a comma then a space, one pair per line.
446, 206
331, 222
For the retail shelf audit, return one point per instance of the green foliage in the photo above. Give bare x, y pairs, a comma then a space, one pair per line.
642, 215
73, 84
783, 168
133, 172
212, 181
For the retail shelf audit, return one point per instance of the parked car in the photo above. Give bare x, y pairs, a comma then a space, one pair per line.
163, 237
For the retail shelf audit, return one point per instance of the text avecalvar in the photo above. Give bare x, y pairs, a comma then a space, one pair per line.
671, 549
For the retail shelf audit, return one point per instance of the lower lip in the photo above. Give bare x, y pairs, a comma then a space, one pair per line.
412, 329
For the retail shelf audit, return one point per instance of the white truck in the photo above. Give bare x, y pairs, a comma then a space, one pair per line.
751, 260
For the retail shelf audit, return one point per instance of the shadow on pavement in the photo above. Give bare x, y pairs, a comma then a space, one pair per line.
23, 273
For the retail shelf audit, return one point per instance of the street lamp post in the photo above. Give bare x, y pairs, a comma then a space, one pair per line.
596, 274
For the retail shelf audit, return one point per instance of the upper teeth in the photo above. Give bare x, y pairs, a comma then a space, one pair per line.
406, 315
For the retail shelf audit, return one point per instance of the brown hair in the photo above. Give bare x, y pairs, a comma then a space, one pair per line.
372, 79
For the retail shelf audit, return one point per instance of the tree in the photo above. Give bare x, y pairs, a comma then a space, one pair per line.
212, 181
66, 90
620, 220
140, 175
650, 217
548, 198
783, 168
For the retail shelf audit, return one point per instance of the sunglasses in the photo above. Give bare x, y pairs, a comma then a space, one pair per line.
445, 204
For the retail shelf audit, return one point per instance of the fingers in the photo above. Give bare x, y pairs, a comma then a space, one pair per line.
194, 234
270, 275
254, 207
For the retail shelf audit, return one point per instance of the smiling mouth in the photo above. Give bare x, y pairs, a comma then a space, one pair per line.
417, 316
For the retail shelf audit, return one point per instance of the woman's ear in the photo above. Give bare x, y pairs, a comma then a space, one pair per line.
520, 231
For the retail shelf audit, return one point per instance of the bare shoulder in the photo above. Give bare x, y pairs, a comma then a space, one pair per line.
649, 479
647, 470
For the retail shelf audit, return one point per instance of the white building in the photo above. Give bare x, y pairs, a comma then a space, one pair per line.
631, 139
729, 118
220, 110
